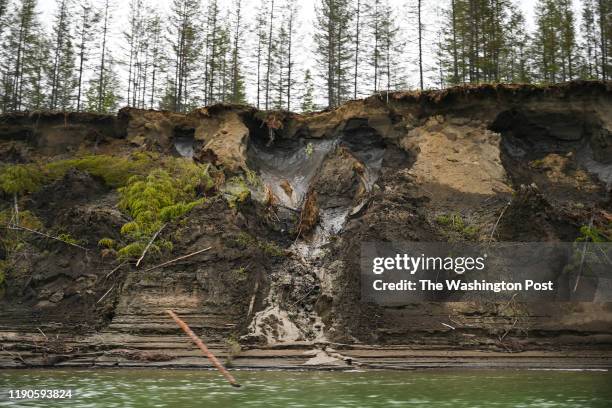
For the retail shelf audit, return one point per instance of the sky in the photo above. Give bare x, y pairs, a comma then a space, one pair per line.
304, 54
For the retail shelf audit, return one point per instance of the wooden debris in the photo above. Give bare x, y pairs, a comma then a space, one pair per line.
204, 349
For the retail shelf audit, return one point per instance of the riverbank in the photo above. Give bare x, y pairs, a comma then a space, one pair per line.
126, 351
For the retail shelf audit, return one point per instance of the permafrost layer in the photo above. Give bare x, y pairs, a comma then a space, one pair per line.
371, 170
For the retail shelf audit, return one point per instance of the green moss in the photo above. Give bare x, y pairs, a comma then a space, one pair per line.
252, 178
246, 240
241, 273
592, 234
114, 170
133, 250
10, 239
21, 178
178, 210
236, 191
153, 190
443, 219
26, 219
68, 238
106, 243
160, 197
455, 223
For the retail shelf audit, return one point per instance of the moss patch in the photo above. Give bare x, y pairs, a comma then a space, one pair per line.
454, 223
158, 198
246, 240
114, 170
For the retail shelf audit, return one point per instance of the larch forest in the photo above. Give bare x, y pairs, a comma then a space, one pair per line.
202, 52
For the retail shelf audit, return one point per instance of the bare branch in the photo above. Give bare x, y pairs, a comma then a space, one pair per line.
149, 245
19, 227
177, 259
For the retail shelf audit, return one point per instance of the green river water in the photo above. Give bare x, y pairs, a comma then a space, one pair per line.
427, 388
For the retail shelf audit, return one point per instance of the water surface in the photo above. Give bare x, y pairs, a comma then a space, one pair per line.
190, 388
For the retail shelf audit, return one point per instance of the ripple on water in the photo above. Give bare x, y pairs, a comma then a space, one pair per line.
457, 389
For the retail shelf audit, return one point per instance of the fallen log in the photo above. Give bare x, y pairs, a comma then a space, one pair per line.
204, 349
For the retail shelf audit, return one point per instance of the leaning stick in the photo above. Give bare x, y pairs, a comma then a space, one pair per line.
177, 259
204, 349
497, 222
20, 227
149, 245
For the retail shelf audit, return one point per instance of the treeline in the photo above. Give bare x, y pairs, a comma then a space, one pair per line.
202, 52
487, 41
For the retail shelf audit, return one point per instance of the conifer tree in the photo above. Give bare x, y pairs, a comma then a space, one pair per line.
212, 51
262, 39
291, 11
3, 16
590, 44
554, 40
269, 52
102, 95
358, 13
102, 69
477, 40
156, 55
376, 17
18, 52
237, 81
87, 20
333, 48
185, 46
604, 8
62, 76
307, 104
36, 91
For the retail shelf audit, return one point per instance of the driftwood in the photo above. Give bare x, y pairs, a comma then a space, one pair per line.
204, 349
149, 245
177, 259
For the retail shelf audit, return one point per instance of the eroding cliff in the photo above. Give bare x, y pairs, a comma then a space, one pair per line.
289, 199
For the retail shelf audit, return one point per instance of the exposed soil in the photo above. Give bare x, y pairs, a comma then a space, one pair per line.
282, 276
